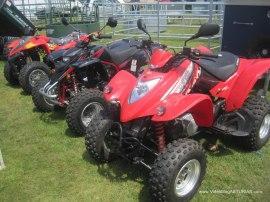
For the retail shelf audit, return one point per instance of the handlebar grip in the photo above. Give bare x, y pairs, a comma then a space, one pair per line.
104, 36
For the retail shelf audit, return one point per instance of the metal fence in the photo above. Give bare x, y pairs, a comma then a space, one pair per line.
168, 22
48, 12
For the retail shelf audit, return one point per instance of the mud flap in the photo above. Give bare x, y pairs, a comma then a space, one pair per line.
235, 123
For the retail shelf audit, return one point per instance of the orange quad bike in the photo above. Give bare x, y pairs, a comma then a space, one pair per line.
24, 64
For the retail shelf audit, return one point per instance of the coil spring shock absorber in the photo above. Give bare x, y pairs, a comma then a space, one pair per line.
74, 84
160, 136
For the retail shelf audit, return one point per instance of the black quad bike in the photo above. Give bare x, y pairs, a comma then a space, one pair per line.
62, 83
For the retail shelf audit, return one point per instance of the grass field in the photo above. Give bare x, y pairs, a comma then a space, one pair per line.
46, 162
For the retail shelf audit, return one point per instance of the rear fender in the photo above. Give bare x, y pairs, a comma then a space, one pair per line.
199, 105
120, 86
246, 81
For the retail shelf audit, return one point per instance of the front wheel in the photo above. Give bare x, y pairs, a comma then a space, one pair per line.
82, 108
41, 103
102, 138
31, 73
178, 171
10, 75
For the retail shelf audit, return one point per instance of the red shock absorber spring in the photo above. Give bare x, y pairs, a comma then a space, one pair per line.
160, 136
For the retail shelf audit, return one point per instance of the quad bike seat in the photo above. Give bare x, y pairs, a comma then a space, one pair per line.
222, 67
119, 51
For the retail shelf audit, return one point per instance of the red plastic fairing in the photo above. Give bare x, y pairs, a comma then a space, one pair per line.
199, 105
124, 82
146, 105
43, 42
159, 58
33, 42
237, 88
14, 43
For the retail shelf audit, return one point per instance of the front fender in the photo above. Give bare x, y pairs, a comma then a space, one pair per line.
120, 85
199, 105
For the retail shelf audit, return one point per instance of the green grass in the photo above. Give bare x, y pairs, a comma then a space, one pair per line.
45, 162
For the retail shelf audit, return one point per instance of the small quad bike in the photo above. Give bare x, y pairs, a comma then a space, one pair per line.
151, 119
20, 67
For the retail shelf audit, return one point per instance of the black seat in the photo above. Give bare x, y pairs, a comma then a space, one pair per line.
222, 67
119, 51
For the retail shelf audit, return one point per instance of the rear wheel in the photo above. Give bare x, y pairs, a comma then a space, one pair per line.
178, 171
82, 108
42, 104
260, 133
31, 73
9, 74
101, 139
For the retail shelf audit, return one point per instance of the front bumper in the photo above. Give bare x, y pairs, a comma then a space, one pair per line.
49, 93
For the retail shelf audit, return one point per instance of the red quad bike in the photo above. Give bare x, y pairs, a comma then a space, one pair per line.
179, 95
127, 54
23, 64
13, 24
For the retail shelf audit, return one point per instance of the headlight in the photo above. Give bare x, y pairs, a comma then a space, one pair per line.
141, 89
66, 59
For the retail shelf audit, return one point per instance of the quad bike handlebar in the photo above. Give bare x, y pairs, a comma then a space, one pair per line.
148, 44
94, 37
198, 53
